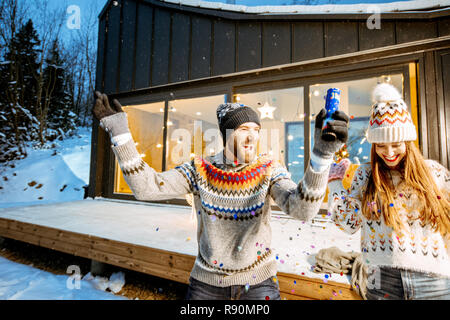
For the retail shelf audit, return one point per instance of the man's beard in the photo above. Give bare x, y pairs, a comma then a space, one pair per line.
243, 155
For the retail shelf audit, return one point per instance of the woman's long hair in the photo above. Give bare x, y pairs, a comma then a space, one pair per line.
379, 193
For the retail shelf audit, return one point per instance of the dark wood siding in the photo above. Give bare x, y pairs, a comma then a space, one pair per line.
249, 46
415, 30
431, 107
161, 46
112, 52
444, 27
174, 44
179, 60
98, 136
224, 44
201, 48
100, 54
143, 46
340, 38
444, 104
276, 44
307, 41
375, 38
127, 46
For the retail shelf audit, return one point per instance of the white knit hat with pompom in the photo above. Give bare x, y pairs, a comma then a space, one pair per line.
390, 120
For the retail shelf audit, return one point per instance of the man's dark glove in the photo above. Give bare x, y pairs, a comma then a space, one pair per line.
323, 150
112, 120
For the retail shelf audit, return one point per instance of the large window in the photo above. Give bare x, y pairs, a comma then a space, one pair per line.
189, 126
282, 115
192, 129
356, 102
146, 124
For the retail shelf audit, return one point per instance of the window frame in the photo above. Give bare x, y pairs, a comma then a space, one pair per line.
244, 87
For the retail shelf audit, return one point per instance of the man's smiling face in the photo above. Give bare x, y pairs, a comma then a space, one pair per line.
243, 142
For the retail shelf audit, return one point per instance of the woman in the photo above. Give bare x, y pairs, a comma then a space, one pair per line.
400, 201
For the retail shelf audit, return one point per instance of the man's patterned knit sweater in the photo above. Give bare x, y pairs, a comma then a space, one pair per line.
232, 206
416, 247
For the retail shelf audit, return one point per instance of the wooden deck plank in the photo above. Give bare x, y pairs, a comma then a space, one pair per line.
165, 264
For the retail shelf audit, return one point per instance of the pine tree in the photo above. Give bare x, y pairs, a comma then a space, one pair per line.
60, 118
18, 122
24, 54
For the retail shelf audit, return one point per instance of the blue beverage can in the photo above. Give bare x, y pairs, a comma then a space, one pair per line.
332, 103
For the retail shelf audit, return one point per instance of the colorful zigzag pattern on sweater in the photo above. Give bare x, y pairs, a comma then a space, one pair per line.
233, 195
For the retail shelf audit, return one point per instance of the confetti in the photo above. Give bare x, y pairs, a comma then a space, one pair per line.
292, 291
312, 246
267, 298
295, 282
221, 265
386, 295
188, 239
247, 286
391, 205
282, 261
253, 213
439, 197
274, 280
157, 229
326, 276
239, 248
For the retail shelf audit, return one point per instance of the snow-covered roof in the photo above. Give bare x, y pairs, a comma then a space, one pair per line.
397, 6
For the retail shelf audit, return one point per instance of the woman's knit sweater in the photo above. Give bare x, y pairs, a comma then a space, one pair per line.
417, 247
232, 206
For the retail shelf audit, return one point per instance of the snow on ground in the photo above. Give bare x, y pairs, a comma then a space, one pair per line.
21, 282
48, 176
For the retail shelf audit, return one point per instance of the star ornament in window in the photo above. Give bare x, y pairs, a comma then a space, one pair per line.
266, 111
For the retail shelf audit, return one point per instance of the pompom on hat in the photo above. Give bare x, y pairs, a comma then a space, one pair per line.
390, 120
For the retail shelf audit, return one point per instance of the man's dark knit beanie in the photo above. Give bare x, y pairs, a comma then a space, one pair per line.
232, 115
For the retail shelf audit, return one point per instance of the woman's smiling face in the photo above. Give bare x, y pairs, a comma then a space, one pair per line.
391, 153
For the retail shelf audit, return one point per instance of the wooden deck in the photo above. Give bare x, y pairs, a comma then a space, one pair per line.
166, 264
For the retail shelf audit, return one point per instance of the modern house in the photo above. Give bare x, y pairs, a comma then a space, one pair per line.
171, 63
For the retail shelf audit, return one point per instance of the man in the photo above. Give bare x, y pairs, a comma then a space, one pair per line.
231, 192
